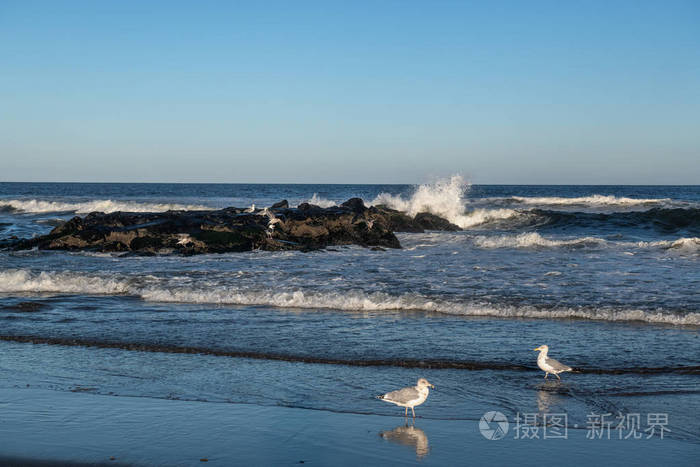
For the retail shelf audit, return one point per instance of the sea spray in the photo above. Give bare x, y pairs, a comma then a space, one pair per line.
444, 198
320, 201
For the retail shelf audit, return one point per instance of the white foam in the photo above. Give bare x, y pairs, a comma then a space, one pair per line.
444, 198
20, 280
593, 200
533, 239
682, 245
689, 244
320, 201
352, 300
360, 301
102, 205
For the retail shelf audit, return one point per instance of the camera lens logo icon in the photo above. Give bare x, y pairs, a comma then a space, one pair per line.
493, 425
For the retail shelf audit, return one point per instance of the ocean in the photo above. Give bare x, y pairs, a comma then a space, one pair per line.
607, 276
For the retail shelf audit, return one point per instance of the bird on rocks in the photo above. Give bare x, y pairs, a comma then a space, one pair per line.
273, 221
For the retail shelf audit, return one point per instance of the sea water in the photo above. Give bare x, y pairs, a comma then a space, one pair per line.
607, 276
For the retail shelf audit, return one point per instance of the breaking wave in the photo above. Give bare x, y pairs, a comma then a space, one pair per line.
593, 200
351, 300
320, 201
21, 280
103, 205
444, 198
684, 245
533, 239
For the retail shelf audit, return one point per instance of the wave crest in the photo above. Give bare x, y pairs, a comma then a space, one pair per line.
321, 201
101, 205
592, 200
444, 198
21, 280
351, 300
533, 239
682, 245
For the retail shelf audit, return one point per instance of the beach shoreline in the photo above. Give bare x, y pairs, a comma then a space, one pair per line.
274, 357
43, 427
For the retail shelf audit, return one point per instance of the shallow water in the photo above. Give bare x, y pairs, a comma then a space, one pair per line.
608, 277
103, 430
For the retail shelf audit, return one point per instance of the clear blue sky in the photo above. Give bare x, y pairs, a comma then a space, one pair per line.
360, 92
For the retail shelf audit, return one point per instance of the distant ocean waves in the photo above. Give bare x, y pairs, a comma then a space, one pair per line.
161, 289
535, 240
84, 207
447, 198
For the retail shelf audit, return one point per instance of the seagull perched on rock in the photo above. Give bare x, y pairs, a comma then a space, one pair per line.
184, 239
409, 397
274, 220
549, 365
251, 208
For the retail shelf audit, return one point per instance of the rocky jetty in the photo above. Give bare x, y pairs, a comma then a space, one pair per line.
306, 227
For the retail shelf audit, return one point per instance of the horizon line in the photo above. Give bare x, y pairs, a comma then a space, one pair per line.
346, 184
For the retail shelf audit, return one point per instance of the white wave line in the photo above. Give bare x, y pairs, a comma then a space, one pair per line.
101, 205
352, 300
596, 200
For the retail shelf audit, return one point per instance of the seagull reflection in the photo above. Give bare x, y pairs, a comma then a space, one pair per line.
550, 397
408, 435
545, 401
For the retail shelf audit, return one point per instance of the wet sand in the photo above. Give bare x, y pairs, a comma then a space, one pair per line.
39, 426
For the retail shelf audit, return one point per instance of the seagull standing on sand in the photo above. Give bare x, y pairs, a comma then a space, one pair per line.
409, 397
549, 365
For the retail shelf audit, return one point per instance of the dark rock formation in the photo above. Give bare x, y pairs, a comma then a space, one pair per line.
355, 205
307, 227
430, 221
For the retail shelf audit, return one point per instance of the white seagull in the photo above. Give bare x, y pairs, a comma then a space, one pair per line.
272, 223
184, 239
251, 208
409, 397
549, 365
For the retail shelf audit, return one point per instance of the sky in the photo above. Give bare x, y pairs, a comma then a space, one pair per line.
524, 92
